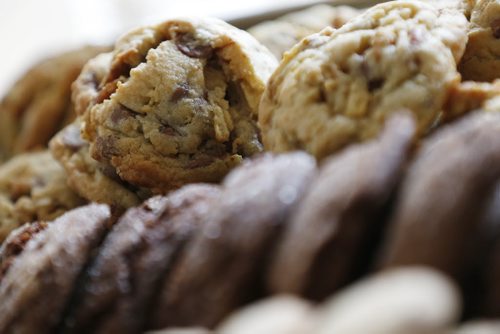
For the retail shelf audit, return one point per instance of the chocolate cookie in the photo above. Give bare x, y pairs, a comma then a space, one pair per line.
121, 285
178, 103
284, 32
38, 105
481, 61
438, 213
33, 187
223, 266
338, 86
39, 280
329, 233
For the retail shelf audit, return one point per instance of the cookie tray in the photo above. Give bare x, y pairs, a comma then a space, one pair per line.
245, 22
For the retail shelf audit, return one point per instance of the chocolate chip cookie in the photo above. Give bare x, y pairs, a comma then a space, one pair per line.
281, 34
33, 187
41, 273
89, 178
481, 61
38, 105
178, 103
338, 86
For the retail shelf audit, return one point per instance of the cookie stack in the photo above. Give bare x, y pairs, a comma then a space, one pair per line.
382, 166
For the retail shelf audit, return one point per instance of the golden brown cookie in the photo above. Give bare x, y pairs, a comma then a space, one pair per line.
33, 187
284, 32
89, 178
38, 105
481, 61
338, 86
178, 103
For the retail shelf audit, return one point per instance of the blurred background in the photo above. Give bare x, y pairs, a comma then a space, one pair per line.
31, 29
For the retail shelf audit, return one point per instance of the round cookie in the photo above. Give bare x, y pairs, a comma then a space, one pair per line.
178, 103
481, 61
332, 233
121, 285
338, 86
33, 187
437, 219
38, 105
39, 281
224, 264
408, 300
89, 178
284, 32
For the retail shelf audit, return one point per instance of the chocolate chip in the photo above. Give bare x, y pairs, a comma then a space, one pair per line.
375, 84
168, 130
495, 28
120, 113
201, 161
188, 46
180, 92
105, 147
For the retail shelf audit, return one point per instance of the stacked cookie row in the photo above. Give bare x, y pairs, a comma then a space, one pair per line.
276, 224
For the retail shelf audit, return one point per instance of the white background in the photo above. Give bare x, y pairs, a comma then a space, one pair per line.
34, 29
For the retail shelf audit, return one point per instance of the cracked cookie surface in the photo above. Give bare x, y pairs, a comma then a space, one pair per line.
178, 103
338, 86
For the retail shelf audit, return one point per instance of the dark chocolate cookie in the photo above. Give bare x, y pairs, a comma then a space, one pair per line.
341, 214
39, 280
223, 265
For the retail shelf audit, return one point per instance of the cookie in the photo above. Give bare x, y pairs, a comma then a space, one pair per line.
407, 300
224, 264
438, 214
337, 87
38, 105
481, 61
178, 103
326, 242
89, 178
41, 277
118, 292
33, 187
471, 95
276, 315
284, 32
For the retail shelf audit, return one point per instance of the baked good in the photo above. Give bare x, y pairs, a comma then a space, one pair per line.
118, 291
481, 61
49, 264
334, 229
38, 104
338, 86
239, 233
89, 178
410, 300
439, 228
276, 315
281, 34
178, 103
33, 187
